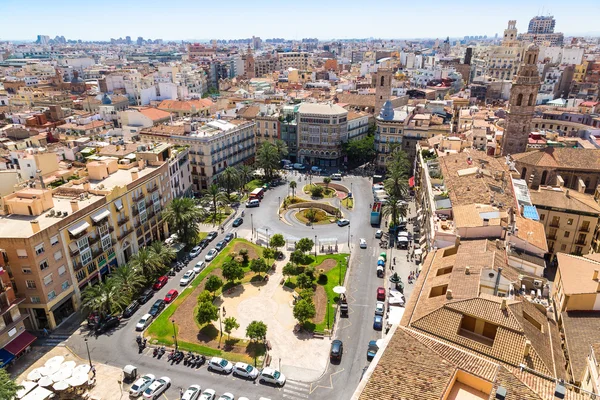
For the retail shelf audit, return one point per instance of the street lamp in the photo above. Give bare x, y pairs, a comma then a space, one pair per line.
316, 247
174, 333
220, 326
327, 314
348, 235
252, 224
88, 351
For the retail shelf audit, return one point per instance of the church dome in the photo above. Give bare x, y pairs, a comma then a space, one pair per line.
387, 111
106, 100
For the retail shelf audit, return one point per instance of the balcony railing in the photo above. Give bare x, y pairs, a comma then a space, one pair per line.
551, 237
134, 211
74, 252
584, 229
96, 253
93, 239
137, 198
581, 242
77, 266
123, 221
125, 233
555, 224
153, 189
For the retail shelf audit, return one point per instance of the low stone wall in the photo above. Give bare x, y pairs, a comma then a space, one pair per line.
311, 204
336, 186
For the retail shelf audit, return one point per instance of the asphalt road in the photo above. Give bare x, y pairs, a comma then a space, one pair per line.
118, 347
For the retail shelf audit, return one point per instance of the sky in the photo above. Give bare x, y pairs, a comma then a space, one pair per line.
235, 19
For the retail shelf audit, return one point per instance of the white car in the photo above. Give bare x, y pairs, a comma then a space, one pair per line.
379, 308
192, 393
212, 253
157, 388
245, 371
272, 376
140, 385
226, 396
220, 365
363, 243
378, 234
187, 278
200, 265
208, 394
195, 251
143, 322
343, 222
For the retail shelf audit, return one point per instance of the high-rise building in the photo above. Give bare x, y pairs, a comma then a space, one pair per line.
521, 104
541, 24
541, 31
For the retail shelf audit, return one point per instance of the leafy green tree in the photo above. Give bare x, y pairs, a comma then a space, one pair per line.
106, 297
304, 281
327, 181
277, 241
305, 245
311, 215
297, 256
307, 294
164, 253
258, 265
282, 148
269, 254
230, 324
288, 270
8, 387
206, 312
229, 179
213, 284
293, 186
256, 331
316, 191
232, 271
394, 208
304, 310
359, 151
183, 216
215, 199
146, 262
205, 296
244, 254
129, 280
268, 158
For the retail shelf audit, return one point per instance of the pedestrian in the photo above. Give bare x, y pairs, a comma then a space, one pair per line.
93, 371
180, 392
46, 333
236, 235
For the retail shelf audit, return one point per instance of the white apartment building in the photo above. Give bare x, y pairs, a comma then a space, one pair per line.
296, 60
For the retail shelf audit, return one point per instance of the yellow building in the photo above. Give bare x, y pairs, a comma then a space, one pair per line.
580, 71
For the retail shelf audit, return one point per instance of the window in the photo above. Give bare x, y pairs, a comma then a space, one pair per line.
30, 284
563, 247
567, 233
438, 291
542, 216
21, 253
43, 265
91, 268
58, 255
39, 249
570, 221
54, 240
532, 321
62, 270
51, 295
65, 285
80, 275
48, 279
444, 271
26, 271
35, 299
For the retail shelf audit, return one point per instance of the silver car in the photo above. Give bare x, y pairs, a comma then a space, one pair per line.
140, 385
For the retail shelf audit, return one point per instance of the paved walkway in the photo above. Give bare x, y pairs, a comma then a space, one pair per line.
272, 303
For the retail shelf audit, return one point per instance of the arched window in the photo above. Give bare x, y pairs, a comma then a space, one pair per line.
519, 99
544, 177
530, 102
382, 81
523, 173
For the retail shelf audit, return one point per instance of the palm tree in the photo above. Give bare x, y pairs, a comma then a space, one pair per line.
146, 263
397, 183
229, 178
326, 181
128, 279
183, 216
395, 208
215, 198
268, 158
293, 185
105, 297
245, 174
282, 148
164, 253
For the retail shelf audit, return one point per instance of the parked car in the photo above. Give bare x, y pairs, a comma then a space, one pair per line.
337, 349
171, 295
237, 222
363, 243
299, 166
203, 243
143, 322
226, 396
157, 388
211, 236
253, 203
380, 271
378, 234
145, 296
200, 265
245, 371
372, 349
315, 169
106, 324
336, 177
379, 308
160, 282
288, 167
343, 222
140, 385
208, 394
272, 376
381, 294
228, 238
220, 365
157, 307
221, 245
187, 278
131, 309
195, 251
378, 322
212, 253
192, 393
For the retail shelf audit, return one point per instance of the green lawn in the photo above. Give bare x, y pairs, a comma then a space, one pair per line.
253, 184
333, 279
348, 203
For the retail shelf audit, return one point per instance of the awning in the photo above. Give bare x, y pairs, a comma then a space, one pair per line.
119, 204
78, 228
411, 181
5, 357
39, 393
418, 252
20, 343
100, 215
73, 246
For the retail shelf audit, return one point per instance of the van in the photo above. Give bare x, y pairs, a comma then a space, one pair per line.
336, 177
299, 166
253, 203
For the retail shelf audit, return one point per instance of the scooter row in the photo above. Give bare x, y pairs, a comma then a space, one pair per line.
177, 356
179, 266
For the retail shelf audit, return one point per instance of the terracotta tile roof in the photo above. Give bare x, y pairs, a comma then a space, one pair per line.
576, 274
177, 105
361, 100
558, 199
582, 329
469, 215
118, 150
536, 228
155, 114
249, 112
562, 157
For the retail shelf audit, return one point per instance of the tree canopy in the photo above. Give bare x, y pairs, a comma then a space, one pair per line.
256, 331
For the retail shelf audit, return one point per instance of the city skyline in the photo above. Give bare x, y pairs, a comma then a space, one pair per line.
204, 22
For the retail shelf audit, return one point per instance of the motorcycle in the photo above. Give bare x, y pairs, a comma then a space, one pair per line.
155, 352
242, 213
172, 272
201, 361
161, 352
171, 355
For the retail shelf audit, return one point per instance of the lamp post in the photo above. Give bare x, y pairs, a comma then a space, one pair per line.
267, 237
316, 247
174, 333
221, 325
88, 352
252, 224
348, 235
327, 314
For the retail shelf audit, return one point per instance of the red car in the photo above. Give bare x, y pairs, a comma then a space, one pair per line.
380, 294
171, 296
160, 282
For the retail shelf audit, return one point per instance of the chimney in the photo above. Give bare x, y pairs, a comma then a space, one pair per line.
35, 226
141, 164
135, 174
87, 186
527, 348
74, 205
567, 194
498, 245
596, 272
457, 241
449, 294
467, 270
503, 305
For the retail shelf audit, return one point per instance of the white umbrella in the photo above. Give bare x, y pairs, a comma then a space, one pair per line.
55, 360
34, 375
62, 374
28, 386
77, 380
339, 290
68, 365
60, 385
49, 369
83, 369
45, 381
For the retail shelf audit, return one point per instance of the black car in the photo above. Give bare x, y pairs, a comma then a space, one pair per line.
147, 295
221, 245
203, 243
108, 323
157, 307
211, 236
228, 238
237, 222
131, 309
337, 348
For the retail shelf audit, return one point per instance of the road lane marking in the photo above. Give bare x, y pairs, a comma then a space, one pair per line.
296, 383
330, 382
296, 393
293, 397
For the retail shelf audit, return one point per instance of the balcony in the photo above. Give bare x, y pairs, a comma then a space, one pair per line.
111, 228
134, 211
581, 242
153, 189
93, 239
555, 224
584, 229
97, 253
551, 236
77, 266
5, 305
125, 234
123, 221
74, 252
137, 198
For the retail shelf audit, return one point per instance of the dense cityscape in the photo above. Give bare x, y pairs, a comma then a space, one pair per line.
267, 218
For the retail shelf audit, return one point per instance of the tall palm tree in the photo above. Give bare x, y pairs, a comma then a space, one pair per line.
395, 208
146, 263
293, 185
164, 253
268, 158
282, 148
128, 279
105, 297
245, 174
183, 216
396, 183
229, 179
216, 199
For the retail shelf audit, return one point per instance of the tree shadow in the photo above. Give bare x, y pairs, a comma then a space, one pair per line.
230, 344
256, 349
208, 333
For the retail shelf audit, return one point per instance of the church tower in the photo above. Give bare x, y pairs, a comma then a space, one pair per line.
383, 87
249, 70
510, 34
521, 104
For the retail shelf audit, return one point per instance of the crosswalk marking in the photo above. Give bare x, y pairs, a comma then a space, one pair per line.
296, 390
296, 383
296, 396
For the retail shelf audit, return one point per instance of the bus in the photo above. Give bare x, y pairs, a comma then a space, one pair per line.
257, 193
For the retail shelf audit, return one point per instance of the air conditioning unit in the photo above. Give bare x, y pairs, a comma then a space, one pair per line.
537, 283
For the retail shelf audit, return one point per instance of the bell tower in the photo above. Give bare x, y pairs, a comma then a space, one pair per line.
249, 64
383, 87
521, 104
